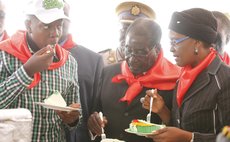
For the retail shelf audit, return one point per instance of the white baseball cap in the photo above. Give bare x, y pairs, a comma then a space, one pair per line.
46, 11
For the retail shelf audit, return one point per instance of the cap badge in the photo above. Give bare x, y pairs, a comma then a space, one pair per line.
135, 10
50, 4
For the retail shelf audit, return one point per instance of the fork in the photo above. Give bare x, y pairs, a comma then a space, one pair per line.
54, 49
103, 136
148, 117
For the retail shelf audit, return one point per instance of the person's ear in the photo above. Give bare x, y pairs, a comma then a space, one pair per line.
198, 43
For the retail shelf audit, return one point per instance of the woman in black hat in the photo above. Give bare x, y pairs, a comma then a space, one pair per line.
201, 102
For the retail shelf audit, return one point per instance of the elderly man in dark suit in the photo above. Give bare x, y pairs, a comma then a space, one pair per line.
124, 83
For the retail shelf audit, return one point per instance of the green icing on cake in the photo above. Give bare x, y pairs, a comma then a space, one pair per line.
147, 129
142, 126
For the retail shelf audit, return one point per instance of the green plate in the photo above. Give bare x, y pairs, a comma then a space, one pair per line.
142, 134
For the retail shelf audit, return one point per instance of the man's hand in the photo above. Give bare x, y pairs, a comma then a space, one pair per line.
69, 117
40, 61
95, 124
158, 102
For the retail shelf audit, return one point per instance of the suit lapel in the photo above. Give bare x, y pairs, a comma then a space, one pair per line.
202, 79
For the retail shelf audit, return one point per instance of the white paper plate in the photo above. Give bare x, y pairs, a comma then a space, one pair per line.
60, 108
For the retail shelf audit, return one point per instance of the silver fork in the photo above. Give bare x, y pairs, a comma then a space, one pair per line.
148, 117
53, 46
103, 136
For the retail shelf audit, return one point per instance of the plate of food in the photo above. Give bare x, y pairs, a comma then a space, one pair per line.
142, 128
56, 102
54, 107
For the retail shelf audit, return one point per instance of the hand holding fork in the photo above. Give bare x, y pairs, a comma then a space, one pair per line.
103, 136
148, 117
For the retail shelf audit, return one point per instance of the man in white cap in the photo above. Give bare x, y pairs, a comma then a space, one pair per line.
33, 67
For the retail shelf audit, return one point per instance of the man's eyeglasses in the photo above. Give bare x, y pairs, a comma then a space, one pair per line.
129, 53
174, 42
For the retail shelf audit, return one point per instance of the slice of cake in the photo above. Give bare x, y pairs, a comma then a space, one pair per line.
55, 99
142, 126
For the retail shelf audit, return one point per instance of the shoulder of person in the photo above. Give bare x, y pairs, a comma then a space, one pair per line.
79, 49
113, 68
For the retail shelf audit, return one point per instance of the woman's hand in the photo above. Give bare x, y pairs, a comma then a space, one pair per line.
171, 134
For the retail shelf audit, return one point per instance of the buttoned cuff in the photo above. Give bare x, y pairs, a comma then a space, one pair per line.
23, 77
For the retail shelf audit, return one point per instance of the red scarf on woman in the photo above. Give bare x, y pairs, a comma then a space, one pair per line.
69, 43
17, 46
162, 76
189, 74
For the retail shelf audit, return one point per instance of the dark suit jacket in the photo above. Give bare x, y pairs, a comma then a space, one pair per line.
120, 114
206, 105
90, 66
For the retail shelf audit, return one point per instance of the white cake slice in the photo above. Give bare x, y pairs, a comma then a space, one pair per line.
55, 99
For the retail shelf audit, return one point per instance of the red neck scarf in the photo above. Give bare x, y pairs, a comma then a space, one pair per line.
189, 74
69, 43
18, 47
162, 75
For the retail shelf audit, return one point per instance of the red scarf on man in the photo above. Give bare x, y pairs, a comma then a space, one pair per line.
69, 43
189, 74
162, 76
17, 46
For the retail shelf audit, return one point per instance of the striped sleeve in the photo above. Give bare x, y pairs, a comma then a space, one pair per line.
12, 86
